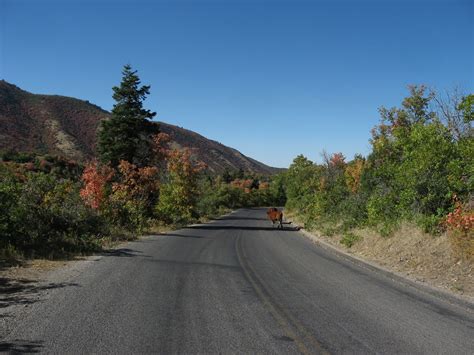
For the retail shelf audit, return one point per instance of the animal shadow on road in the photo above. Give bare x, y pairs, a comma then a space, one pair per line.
236, 218
181, 235
124, 252
21, 347
246, 228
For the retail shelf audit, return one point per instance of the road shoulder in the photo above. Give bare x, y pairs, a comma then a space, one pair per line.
443, 294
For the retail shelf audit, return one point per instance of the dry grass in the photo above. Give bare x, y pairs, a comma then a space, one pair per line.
158, 228
424, 257
31, 269
462, 243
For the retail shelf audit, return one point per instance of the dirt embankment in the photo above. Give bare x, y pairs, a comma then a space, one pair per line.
412, 253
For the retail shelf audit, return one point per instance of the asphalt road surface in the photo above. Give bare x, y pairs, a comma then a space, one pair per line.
235, 285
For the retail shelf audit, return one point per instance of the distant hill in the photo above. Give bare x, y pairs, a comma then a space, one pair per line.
65, 126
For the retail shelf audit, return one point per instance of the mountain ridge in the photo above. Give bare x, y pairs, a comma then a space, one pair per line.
67, 126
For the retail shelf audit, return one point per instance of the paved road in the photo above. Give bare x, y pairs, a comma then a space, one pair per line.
235, 286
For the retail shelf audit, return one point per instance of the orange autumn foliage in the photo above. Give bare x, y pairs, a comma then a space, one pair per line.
243, 184
95, 178
136, 182
263, 185
181, 162
460, 225
461, 219
337, 159
161, 147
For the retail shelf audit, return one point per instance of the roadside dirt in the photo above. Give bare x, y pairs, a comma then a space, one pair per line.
42, 270
413, 254
37, 269
31, 269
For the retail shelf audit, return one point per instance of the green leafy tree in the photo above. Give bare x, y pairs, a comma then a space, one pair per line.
178, 197
301, 183
467, 108
278, 190
127, 134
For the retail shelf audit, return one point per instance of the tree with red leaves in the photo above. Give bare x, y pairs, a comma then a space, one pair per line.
95, 178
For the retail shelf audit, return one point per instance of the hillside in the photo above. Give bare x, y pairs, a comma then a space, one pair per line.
67, 126
216, 155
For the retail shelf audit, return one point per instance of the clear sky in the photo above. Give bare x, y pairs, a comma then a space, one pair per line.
271, 78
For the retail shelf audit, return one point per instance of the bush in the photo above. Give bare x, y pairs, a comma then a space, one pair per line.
329, 231
349, 239
387, 228
460, 225
125, 212
174, 207
178, 197
211, 202
47, 217
431, 224
382, 207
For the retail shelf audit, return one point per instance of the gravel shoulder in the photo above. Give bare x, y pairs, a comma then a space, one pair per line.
409, 254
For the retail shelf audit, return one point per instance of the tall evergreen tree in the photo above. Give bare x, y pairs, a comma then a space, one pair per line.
127, 134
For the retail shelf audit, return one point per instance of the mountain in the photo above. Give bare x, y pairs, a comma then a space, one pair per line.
65, 126
217, 156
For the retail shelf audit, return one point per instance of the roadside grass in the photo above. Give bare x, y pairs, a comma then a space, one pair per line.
462, 244
349, 239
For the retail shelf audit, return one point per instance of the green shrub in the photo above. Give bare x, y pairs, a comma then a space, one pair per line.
329, 231
175, 207
129, 214
382, 207
387, 228
46, 217
431, 224
349, 239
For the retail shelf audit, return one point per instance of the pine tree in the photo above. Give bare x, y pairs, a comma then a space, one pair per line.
127, 134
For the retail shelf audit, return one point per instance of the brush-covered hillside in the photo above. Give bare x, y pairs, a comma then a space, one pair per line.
65, 126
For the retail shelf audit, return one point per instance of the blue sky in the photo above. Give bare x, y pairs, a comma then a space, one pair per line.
271, 78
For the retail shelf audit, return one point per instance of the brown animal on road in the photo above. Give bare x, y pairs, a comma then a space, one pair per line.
276, 216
